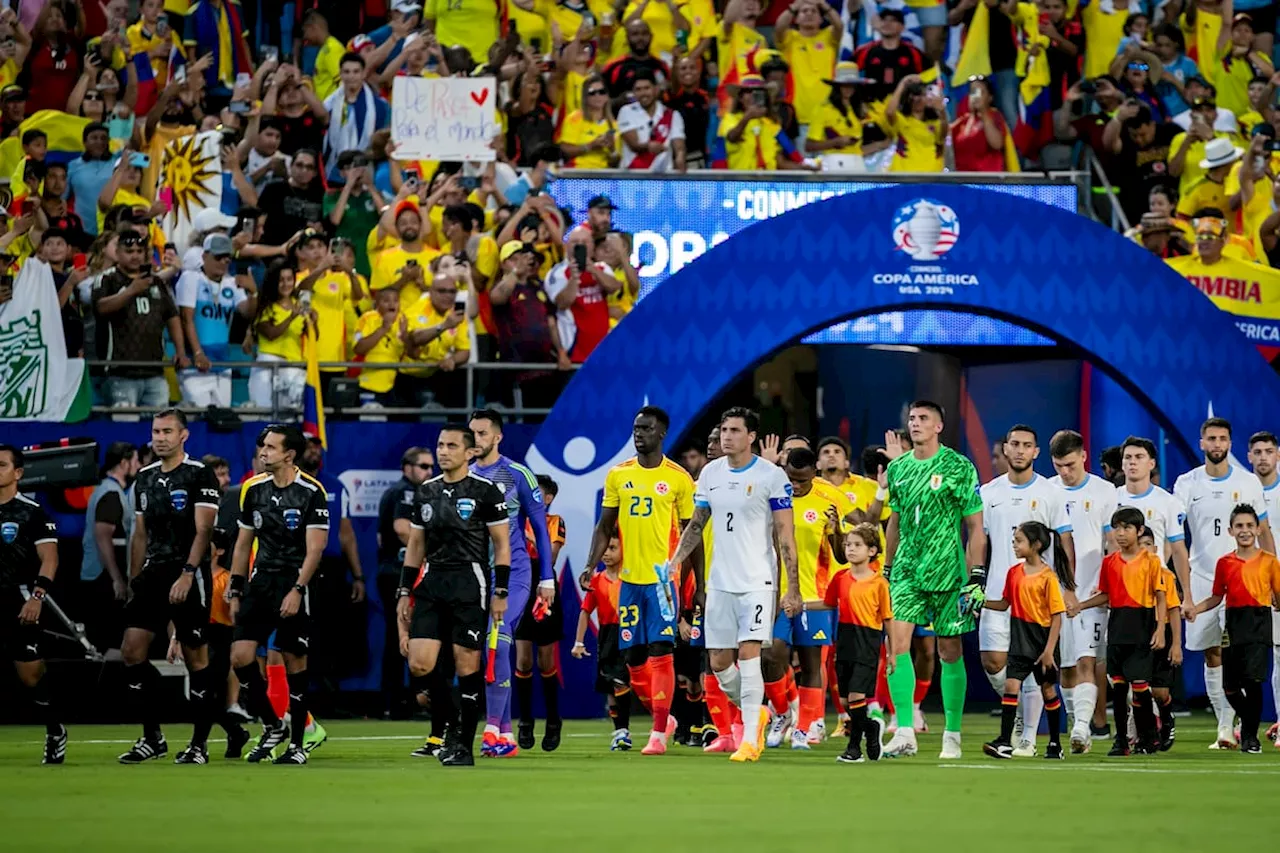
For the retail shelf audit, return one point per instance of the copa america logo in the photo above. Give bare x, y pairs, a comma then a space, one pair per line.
925, 229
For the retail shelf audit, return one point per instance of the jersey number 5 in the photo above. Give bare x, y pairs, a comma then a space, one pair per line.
641, 506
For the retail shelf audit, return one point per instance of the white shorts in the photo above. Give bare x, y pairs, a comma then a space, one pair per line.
993, 631
205, 389
738, 617
1206, 631
1084, 636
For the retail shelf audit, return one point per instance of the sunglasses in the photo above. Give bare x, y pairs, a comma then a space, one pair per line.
1139, 66
92, 96
310, 167
423, 466
222, 257
597, 92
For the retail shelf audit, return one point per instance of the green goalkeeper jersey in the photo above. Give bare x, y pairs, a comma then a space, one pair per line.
931, 497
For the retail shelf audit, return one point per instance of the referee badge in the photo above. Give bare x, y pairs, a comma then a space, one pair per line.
9, 532
292, 519
466, 506
426, 513
179, 499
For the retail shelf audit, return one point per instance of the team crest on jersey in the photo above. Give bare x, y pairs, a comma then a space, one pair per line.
142, 501
749, 485
178, 497
1151, 513
810, 515
426, 513
662, 488
626, 635
9, 532
1034, 503
695, 632
935, 482
292, 519
1087, 504
1235, 496
257, 520
466, 506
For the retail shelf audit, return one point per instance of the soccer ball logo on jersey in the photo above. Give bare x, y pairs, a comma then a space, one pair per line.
292, 519
9, 532
925, 229
662, 488
426, 513
178, 497
466, 506
810, 516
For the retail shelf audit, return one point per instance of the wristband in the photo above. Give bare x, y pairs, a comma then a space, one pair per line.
38, 593
42, 583
237, 584
407, 574
501, 577
579, 644
188, 569
882, 494
300, 589
402, 592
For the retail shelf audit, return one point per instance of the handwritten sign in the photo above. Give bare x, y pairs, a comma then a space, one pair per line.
446, 118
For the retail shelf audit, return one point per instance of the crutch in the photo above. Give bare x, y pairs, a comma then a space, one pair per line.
76, 628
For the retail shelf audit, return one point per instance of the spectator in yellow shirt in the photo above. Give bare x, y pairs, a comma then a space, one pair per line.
739, 39
752, 136
337, 292
153, 35
279, 328
379, 339
470, 23
837, 130
1186, 150
124, 188
315, 33
1210, 190
588, 137
438, 336
401, 266
808, 34
1248, 187
918, 117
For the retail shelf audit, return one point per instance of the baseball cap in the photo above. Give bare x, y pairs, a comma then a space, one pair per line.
360, 42
13, 92
406, 7
515, 247
218, 244
407, 205
601, 201
896, 14
209, 219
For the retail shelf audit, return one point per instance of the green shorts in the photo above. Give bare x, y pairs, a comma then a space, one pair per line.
941, 609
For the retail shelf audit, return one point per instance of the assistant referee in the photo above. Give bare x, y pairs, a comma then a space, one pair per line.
456, 516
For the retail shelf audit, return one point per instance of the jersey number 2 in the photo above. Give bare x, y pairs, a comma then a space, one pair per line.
728, 521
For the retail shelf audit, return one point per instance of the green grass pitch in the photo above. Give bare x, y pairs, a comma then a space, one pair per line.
362, 792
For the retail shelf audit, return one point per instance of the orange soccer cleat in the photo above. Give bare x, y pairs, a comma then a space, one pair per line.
747, 752
724, 743
657, 744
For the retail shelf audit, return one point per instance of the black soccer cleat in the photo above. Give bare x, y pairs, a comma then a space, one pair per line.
193, 754
998, 749
430, 749
551, 736
1053, 752
1100, 732
1250, 746
873, 743
293, 755
852, 755
1120, 748
1167, 736
236, 740
709, 735
456, 755
55, 747
145, 750
1147, 746
270, 739
524, 735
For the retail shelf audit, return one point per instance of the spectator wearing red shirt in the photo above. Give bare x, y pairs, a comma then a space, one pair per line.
524, 317
1089, 128
978, 137
579, 287
54, 60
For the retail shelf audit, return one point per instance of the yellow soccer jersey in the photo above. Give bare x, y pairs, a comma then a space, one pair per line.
813, 547
651, 503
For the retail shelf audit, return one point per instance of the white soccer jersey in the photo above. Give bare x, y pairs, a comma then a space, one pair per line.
1208, 503
1004, 507
1090, 506
1271, 496
1161, 513
742, 502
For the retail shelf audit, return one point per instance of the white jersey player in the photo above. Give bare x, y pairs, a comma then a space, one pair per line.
747, 502
1090, 502
1208, 494
1263, 451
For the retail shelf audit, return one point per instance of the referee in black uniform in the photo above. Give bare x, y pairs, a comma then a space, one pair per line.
28, 562
456, 516
175, 504
286, 511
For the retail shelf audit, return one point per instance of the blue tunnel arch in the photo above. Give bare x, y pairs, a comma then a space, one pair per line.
1036, 266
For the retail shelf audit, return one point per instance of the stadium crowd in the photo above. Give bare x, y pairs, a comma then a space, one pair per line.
323, 239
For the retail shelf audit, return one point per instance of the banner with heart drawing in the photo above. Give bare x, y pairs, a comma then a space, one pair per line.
445, 118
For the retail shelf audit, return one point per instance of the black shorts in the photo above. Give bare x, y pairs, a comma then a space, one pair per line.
691, 663
451, 605
1162, 670
1243, 663
1131, 661
150, 610
550, 630
259, 614
21, 643
220, 646
611, 664
857, 659
1020, 667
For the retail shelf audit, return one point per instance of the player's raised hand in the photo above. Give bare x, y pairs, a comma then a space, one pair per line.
769, 448
892, 446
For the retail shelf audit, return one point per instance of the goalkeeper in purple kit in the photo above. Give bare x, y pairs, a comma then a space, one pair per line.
524, 503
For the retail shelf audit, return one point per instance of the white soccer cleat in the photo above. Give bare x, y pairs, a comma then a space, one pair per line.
1025, 749
799, 740
918, 721
901, 745
1226, 739
950, 746
780, 728
1081, 741
817, 732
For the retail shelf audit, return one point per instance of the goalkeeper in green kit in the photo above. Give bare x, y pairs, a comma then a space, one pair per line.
933, 492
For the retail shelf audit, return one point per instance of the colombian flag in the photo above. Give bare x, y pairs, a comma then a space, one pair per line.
312, 400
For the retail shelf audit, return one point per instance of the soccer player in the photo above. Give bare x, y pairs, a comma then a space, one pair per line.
28, 563
816, 522
1168, 659
1262, 456
747, 500
285, 511
457, 516
1090, 501
648, 499
543, 627
1010, 500
1132, 586
175, 504
860, 595
1032, 595
611, 670
1248, 580
1208, 495
524, 506
933, 493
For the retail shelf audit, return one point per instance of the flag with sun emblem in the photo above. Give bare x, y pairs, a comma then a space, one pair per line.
191, 168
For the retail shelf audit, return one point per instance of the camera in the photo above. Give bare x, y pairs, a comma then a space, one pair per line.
580, 256
1088, 87
760, 99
